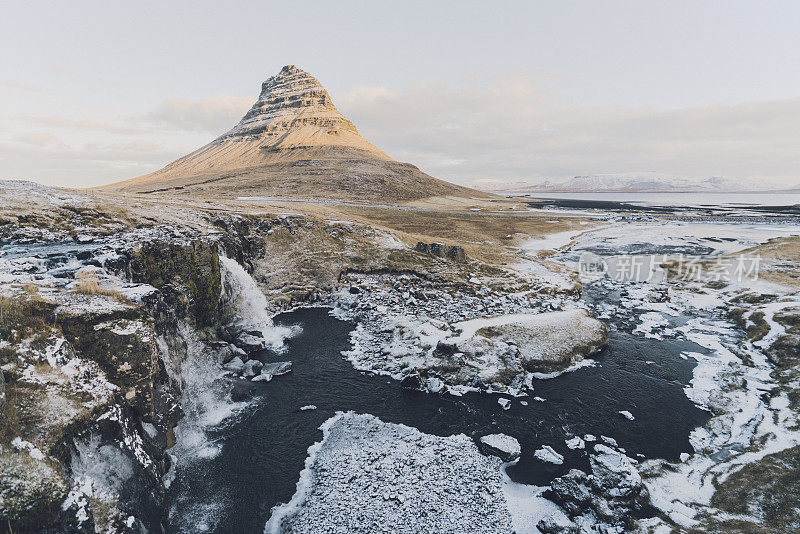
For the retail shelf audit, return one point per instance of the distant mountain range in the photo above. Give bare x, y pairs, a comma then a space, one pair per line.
633, 183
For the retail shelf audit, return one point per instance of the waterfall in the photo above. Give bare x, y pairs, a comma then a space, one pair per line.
243, 293
206, 397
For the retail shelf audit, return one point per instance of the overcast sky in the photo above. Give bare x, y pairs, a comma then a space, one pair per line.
95, 92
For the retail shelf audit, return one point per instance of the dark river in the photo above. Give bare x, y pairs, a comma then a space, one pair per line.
263, 448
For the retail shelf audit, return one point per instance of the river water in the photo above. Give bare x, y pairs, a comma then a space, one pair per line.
262, 449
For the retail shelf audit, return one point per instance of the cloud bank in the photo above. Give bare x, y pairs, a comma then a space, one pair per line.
504, 129
509, 129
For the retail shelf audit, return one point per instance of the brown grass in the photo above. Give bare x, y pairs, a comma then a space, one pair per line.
89, 284
490, 237
10, 415
21, 317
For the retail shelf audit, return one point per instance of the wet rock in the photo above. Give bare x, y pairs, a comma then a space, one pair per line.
235, 365
413, 381
252, 368
249, 342
224, 355
238, 352
241, 391
273, 369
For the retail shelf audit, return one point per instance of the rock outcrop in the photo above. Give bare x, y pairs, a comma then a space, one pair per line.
548, 342
450, 252
294, 142
613, 493
92, 351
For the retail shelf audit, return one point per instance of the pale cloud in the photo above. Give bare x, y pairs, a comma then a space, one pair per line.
38, 139
50, 121
81, 152
213, 114
510, 129
57, 163
15, 84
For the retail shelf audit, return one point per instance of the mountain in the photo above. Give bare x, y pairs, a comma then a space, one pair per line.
629, 183
293, 142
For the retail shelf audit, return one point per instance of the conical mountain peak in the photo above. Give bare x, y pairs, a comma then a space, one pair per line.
293, 141
289, 101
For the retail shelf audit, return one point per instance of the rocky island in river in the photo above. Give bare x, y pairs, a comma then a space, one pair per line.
476, 378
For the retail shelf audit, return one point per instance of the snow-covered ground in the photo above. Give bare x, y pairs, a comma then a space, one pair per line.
370, 476
733, 378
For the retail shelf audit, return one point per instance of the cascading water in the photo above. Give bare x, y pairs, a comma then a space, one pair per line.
242, 293
205, 400
206, 396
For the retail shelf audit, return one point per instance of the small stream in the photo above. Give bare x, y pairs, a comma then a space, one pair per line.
263, 448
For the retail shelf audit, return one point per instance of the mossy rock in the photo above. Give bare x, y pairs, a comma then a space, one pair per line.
194, 267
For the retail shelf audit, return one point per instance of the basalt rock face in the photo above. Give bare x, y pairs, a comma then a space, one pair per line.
293, 142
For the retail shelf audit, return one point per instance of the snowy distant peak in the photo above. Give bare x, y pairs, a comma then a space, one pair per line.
632, 182
289, 100
647, 182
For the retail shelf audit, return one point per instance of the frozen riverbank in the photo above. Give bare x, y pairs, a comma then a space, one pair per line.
369, 476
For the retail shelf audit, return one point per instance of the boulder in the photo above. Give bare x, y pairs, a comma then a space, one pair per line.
501, 445
548, 342
238, 352
252, 368
236, 365
224, 355
613, 492
249, 343
557, 524
275, 369
572, 492
614, 473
